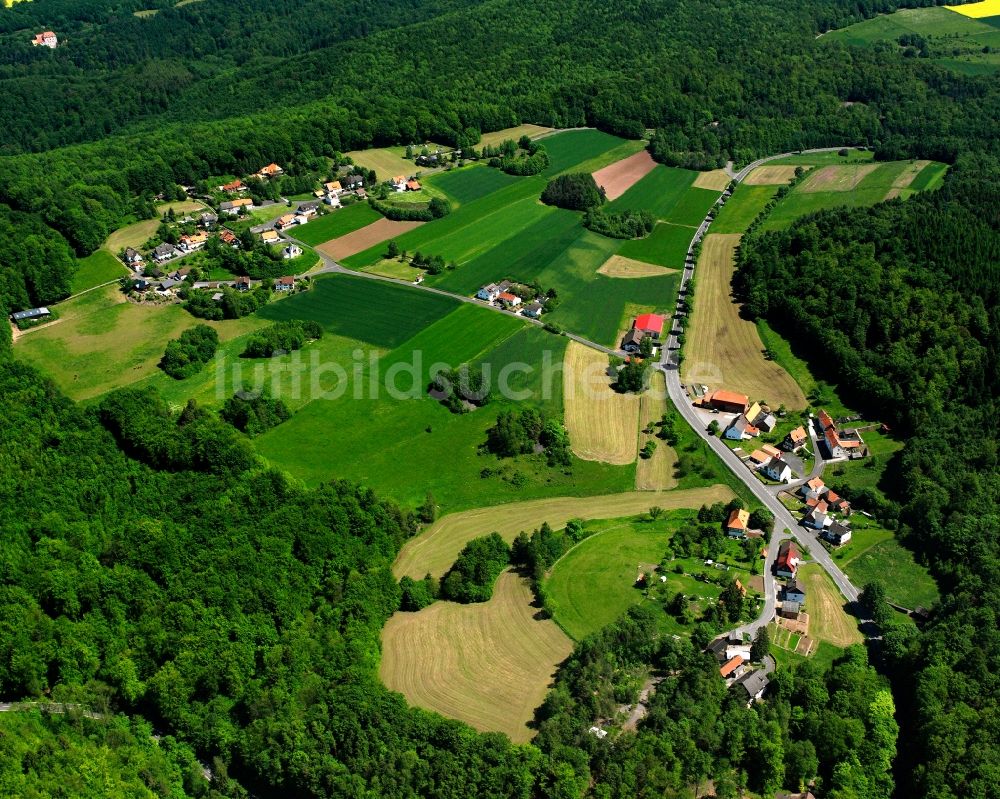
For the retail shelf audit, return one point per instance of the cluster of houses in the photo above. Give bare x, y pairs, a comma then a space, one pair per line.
647, 324
45, 39
839, 443
333, 190
822, 506
402, 183
793, 592
500, 294
303, 214
733, 655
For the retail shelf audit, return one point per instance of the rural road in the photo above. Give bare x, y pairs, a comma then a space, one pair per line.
784, 522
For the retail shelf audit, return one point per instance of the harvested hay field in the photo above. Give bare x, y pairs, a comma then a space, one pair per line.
622, 175
620, 266
724, 350
841, 177
363, 238
435, 550
488, 664
386, 161
771, 176
828, 621
601, 422
497, 137
906, 177
717, 180
657, 472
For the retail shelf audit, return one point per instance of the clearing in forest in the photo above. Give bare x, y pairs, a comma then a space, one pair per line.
771, 176
434, 551
722, 349
828, 621
488, 664
619, 177
905, 178
620, 266
655, 473
601, 422
363, 238
717, 180
843, 177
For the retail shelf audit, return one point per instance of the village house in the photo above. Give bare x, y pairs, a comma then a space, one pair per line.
753, 412
228, 237
270, 237
758, 458
776, 469
333, 187
508, 300
633, 340
740, 429
840, 444
233, 187
754, 683
309, 209
789, 609
46, 39
728, 401
837, 534
180, 274
412, 185
795, 440
649, 323
286, 283
399, 182
134, 258
766, 421
738, 523
774, 452
291, 251
271, 171
813, 489
838, 503
353, 182
787, 562
733, 667
284, 221
795, 592
533, 310
30, 314
242, 283
165, 252
489, 292
818, 516
232, 207
208, 220
193, 242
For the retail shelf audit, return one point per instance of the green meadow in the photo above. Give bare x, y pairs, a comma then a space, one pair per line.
336, 224
96, 269
470, 182
669, 194
742, 208
667, 245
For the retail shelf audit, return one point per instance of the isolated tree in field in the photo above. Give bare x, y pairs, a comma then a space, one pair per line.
392, 249
761, 646
655, 512
648, 449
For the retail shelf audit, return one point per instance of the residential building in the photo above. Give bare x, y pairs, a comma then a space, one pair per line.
31, 313
795, 592
738, 523
232, 207
412, 185
766, 422
399, 182
242, 283
633, 340
818, 516
534, 310
208, 219
489, 292
651, 324
777, 469
270, 237
754, 683
271, 171
740, 429
333, 187
813, 489
729, 401
133, 258
165, 252
193, 242
286, 283
774, 452
753, 412
360, 194
46, 39
787, 562
789, 609
509, 300
732, 667
309, 209
284, 221
840, 443
837, 534
796, 439
228, 237
232, 187
291, 251
838, 503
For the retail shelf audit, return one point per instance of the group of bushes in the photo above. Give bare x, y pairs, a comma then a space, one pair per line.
576, 191
282, 337
531, 160
254, 411
411, 212
233, 305
186, 355
628, 224
461, 387
522, 432
471, 577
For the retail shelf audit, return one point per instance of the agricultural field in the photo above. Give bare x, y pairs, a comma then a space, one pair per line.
469, 183
336, 224
828, 621
396, 269
742, 208
370, 236
670, 194
667, 246
137, 234
434, 550
620, 266
601, 423
586, 151
496, 137
854, 156
717, 179
722, 350
595, 582
619, 177
96, 269
488, 664
386, 161
101, 341
850, 185
770, 176
655, 473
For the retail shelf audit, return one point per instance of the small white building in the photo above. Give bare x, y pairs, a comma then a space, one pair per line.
776, 469
46, 39
291, 251
489, 292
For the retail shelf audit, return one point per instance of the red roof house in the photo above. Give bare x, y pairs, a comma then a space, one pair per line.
729, 401
650, 323
787, 562
731, 665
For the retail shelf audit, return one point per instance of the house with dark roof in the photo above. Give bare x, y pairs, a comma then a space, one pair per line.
789, 609
533, 310
778, 470
794, 592
286, 283
633, 340
754, 683
837, 534
165, 252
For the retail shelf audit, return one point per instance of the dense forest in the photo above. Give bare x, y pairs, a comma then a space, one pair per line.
902, 300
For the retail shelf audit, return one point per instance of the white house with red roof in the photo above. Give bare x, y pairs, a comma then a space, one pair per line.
649, 323
787, 562
46, 39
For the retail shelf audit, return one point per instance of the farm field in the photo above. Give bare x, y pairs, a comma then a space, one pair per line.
984, 8
854, 155
336, 224
717, 180
619, 266
394, 268
365, 238
496, 137
470, 182
620, 176
770, 176
101, 341
723, 350
386, 161
667, 246
828, 621
655, 473
139, 233
435, 550
670, 194
850, 185
594, 583
488, 664
97, 268
601, 423
368, 310
742, 208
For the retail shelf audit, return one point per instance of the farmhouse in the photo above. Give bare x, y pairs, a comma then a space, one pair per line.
813, 489
291, 251
228, 237
133, 258
46, 39
165, 252
193, 242
758, 458
271, 171
754, 683
753, 412
766, 421
270, 237
309, 209
840, 444
208, 219
729, 401
233, 187
399, 182
790, 609
333, 187
286, 283
649, 323
488, 292
796, 439
534, 310
242, 283
354, 181
412, 185
232, 207
30, 314
740, 429
777, 469
837, 534
795, 592
509, 300
818, 516
284, 221
738, 522
787, 562
732, 667
633, 340
838, 503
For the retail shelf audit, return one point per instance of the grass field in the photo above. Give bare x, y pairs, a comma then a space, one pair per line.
723, 350
828, 621
360, 308
655, 473
619, 266
101, 341
718, 180
435, 550
742, 208
601, 423
470, 183
401, 270
669, 193
930, 177
139, 233
498, 136
337, 223
97, 268
770, 176
819, 159
386, 161
667, 246
489, 664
